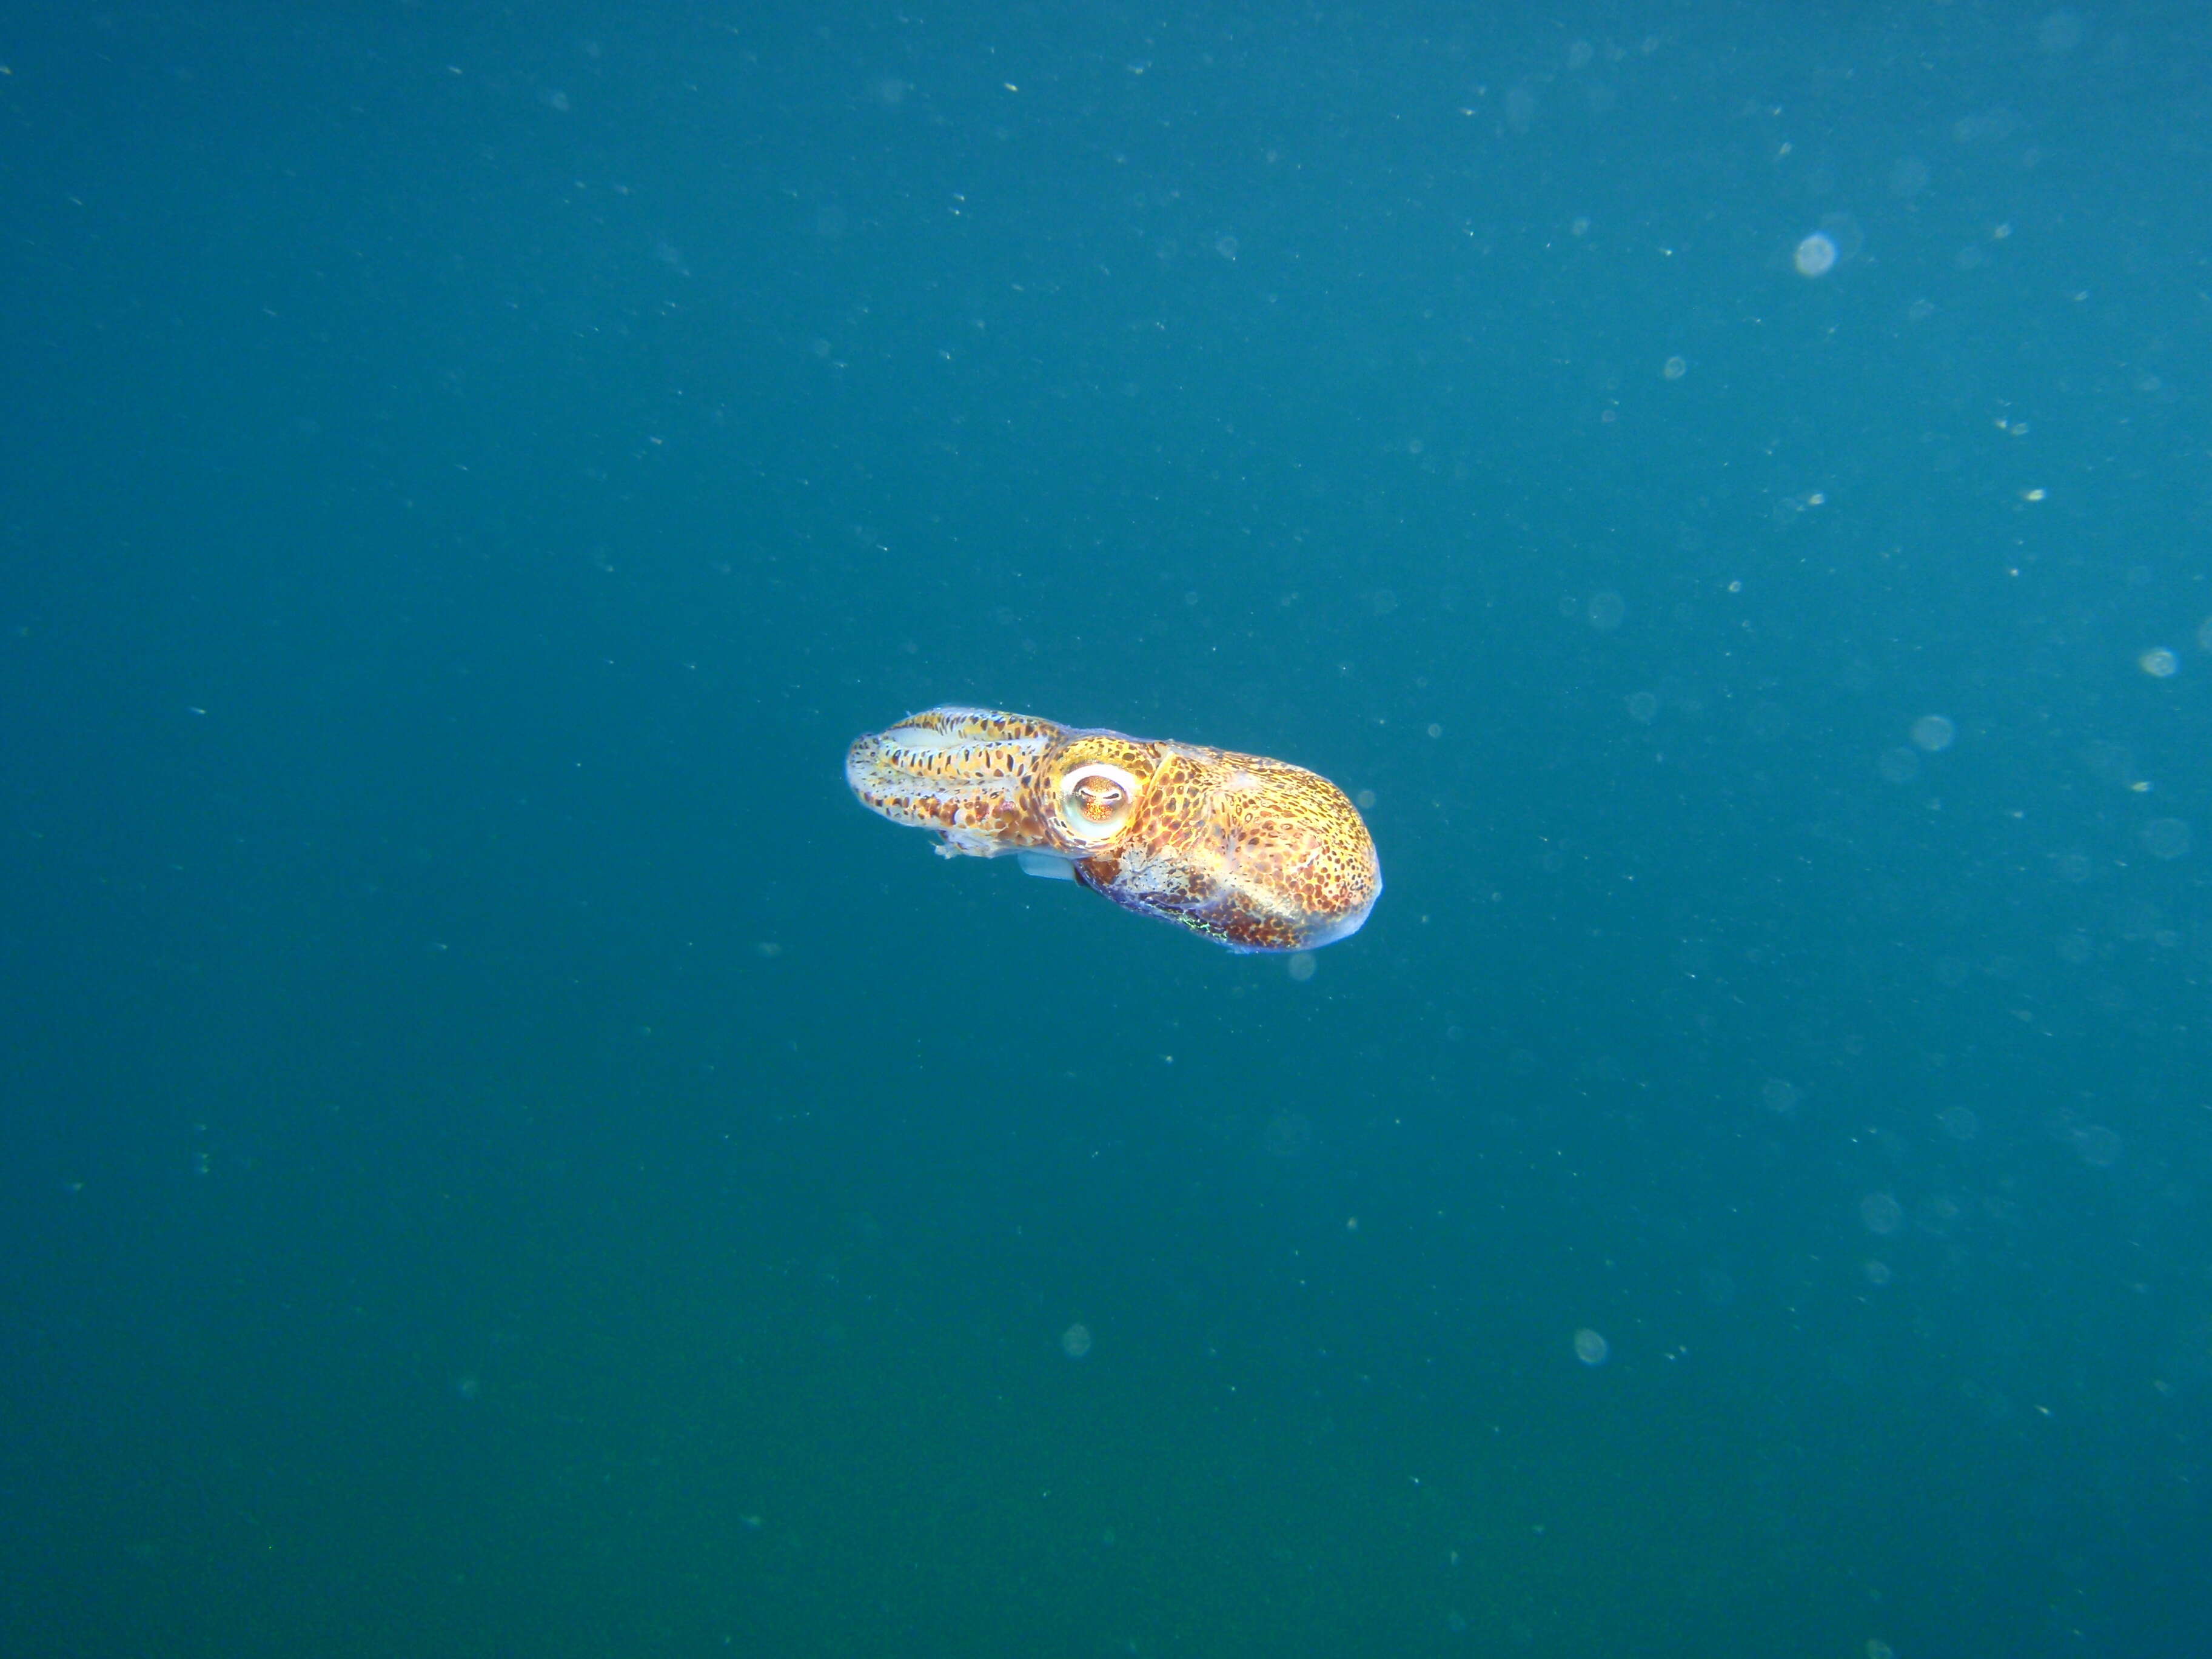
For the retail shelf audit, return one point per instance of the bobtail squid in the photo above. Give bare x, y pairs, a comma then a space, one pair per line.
1254, 853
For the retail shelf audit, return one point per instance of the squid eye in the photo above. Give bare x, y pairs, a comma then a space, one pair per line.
1096, 801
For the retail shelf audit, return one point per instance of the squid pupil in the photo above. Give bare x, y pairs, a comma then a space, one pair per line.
1098, 799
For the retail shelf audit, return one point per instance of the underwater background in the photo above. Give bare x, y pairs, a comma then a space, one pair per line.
501, 1155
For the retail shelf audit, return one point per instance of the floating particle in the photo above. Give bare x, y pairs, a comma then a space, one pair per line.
1816, 254
2098, 1145
1881, 1213
1934, 732
2166, 838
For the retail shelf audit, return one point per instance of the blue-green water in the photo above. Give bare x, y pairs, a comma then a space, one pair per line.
503, 1156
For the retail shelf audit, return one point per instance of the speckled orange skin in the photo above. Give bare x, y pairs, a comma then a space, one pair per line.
1251, 853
